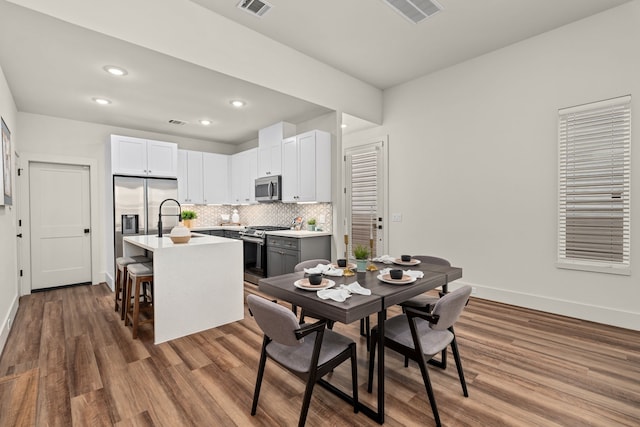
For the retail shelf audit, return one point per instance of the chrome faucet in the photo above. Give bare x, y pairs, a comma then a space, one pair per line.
179, 215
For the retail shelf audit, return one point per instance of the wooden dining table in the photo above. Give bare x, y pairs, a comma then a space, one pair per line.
383, 295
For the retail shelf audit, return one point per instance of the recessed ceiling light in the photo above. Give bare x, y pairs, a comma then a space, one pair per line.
237, 103
101, 101
205, 122
116, 71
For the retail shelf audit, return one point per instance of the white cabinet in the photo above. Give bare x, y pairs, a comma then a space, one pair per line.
244, 171
270, 147
203, 178
215, 178
190, 181
306, 167
142, 157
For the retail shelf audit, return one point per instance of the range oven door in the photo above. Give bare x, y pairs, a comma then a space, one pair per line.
255, 258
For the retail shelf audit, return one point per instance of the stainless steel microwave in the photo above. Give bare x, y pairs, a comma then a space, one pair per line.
268, 189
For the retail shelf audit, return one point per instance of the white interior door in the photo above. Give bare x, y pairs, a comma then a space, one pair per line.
365, 196
60, 225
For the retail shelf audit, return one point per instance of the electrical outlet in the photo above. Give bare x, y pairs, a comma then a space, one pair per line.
321, 219
396, 217
474, 290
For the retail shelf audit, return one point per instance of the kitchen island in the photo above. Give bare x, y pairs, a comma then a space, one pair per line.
197, 285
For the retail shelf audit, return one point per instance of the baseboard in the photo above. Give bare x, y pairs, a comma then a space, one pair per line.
592, 313
7, 322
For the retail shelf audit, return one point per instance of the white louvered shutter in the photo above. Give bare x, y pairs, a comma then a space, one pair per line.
594, 186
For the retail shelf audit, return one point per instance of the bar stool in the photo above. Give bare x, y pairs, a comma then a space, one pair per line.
138, 274
121, 278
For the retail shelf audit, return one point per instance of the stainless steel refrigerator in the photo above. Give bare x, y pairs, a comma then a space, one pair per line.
136, 202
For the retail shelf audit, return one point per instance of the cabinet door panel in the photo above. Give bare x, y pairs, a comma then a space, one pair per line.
129, 156
215, 178
183, 167
194, 177
289, 260
307, 167
162, 159
289, 170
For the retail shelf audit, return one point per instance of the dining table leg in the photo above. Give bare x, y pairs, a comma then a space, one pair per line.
382, 316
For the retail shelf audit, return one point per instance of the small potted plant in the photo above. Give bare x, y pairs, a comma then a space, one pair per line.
187, 217
312, 224
362, 255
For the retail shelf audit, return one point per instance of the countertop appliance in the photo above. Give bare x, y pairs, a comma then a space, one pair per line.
136, 203
268, 189
255, 251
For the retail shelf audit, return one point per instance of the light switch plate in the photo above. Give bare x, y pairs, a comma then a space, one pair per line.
396, 217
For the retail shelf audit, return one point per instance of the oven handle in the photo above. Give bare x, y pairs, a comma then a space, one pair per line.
256, 240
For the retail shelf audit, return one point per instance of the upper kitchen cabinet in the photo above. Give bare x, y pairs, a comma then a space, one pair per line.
215, 176
190, 177
203, 178
244, 171
142, 157
306, 167
270, 147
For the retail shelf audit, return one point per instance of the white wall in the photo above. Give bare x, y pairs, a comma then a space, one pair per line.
473, 164
8, 262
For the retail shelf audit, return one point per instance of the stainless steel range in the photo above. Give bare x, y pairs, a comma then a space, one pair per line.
255, 251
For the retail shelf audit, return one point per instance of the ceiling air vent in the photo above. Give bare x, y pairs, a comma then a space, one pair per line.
177, 122
415, 10
255, 7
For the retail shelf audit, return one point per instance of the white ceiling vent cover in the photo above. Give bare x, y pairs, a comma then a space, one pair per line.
415, 10
255, 7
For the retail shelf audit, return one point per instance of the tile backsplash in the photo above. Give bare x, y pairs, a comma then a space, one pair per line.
266, 214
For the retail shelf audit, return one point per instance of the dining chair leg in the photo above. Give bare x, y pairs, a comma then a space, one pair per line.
354, 377
427, 385
372, 355
263, 361
306, 401
456, 356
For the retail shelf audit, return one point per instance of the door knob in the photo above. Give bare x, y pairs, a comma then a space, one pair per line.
86, 230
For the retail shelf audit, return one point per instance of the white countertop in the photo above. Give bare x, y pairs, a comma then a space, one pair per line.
298, 234
153, 243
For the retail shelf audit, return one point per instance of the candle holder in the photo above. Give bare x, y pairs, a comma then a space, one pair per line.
371, 266
347, 272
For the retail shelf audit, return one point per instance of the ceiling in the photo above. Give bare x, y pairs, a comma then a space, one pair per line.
55, 68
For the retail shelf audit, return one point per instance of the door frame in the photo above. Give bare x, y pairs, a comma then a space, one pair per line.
25, 210
384, 208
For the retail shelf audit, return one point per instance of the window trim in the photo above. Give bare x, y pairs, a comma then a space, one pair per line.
564, 261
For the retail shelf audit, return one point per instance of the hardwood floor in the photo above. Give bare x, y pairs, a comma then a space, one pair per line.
69, 361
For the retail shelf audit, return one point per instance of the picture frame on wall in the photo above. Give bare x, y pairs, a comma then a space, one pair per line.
6, 164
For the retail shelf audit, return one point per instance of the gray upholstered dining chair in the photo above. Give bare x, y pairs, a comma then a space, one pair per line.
421, 335
426, 302
309, 351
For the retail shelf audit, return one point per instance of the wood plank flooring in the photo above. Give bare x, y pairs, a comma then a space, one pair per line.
69, 361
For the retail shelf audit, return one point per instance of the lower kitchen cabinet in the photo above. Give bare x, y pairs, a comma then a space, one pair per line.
283, 253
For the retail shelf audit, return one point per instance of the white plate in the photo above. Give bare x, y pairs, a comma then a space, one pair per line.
412, 262
326, 284
349, 264
406, 279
